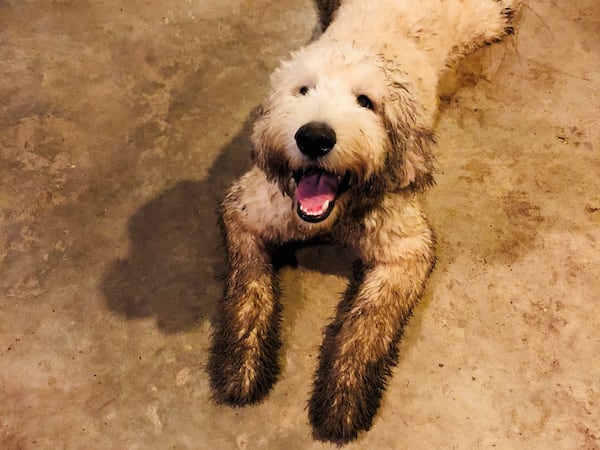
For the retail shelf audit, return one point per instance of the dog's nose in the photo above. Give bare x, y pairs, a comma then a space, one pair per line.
315, 139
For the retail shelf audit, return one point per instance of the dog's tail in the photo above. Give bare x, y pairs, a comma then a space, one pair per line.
327, 9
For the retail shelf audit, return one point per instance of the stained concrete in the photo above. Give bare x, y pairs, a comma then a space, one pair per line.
121, 125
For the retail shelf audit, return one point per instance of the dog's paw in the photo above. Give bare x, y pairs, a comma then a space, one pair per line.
483, 23
243, 359
239, 381
340, 409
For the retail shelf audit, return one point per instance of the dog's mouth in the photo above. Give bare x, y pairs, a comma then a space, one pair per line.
317, 191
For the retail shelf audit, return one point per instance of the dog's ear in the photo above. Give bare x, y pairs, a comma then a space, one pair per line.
417, 167
265, 153
410, 160
257, 137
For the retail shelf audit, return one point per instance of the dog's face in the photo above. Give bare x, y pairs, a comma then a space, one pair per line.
339, 124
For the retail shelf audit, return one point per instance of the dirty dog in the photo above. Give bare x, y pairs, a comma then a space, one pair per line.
340, 148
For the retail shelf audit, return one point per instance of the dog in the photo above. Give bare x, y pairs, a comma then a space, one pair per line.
341, 146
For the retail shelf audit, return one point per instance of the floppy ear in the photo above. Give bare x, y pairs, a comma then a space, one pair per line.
257, 138
265, 151
416, 170
410, 161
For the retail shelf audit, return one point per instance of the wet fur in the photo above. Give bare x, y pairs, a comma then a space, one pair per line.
394, 51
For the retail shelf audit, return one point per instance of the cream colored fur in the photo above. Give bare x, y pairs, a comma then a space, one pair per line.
391, 52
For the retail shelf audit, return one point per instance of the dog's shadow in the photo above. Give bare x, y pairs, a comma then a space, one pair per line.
175, 263
174, 259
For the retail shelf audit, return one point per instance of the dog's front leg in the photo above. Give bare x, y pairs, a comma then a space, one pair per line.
360, 345
243, 357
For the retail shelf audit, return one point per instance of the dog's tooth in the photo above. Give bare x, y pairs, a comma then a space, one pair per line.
326, 205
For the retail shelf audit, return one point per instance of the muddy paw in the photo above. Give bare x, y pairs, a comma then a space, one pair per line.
240, 374
240, 386
339, 410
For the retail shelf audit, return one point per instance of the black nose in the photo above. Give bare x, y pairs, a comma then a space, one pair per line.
315, 139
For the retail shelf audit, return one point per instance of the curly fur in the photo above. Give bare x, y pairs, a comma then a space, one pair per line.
372, 79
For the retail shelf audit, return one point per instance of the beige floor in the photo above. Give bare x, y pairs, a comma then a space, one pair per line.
121, 125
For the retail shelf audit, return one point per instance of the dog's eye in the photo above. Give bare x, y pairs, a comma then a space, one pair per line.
364, 101
303, 90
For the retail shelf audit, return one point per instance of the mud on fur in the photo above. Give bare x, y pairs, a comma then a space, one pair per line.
340, 147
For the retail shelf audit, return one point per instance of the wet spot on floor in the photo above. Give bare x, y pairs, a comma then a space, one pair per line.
522, 227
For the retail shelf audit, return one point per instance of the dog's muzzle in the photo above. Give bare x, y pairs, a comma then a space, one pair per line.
316, 189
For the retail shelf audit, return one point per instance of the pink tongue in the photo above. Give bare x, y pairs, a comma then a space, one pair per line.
314, 190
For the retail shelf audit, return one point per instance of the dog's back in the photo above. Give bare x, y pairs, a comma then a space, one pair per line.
454, 27
422, 37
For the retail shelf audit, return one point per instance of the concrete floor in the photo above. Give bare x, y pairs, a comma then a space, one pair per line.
121, 125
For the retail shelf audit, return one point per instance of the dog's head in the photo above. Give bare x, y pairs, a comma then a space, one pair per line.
340, 124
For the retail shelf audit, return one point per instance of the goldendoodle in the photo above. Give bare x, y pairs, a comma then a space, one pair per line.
340, 147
